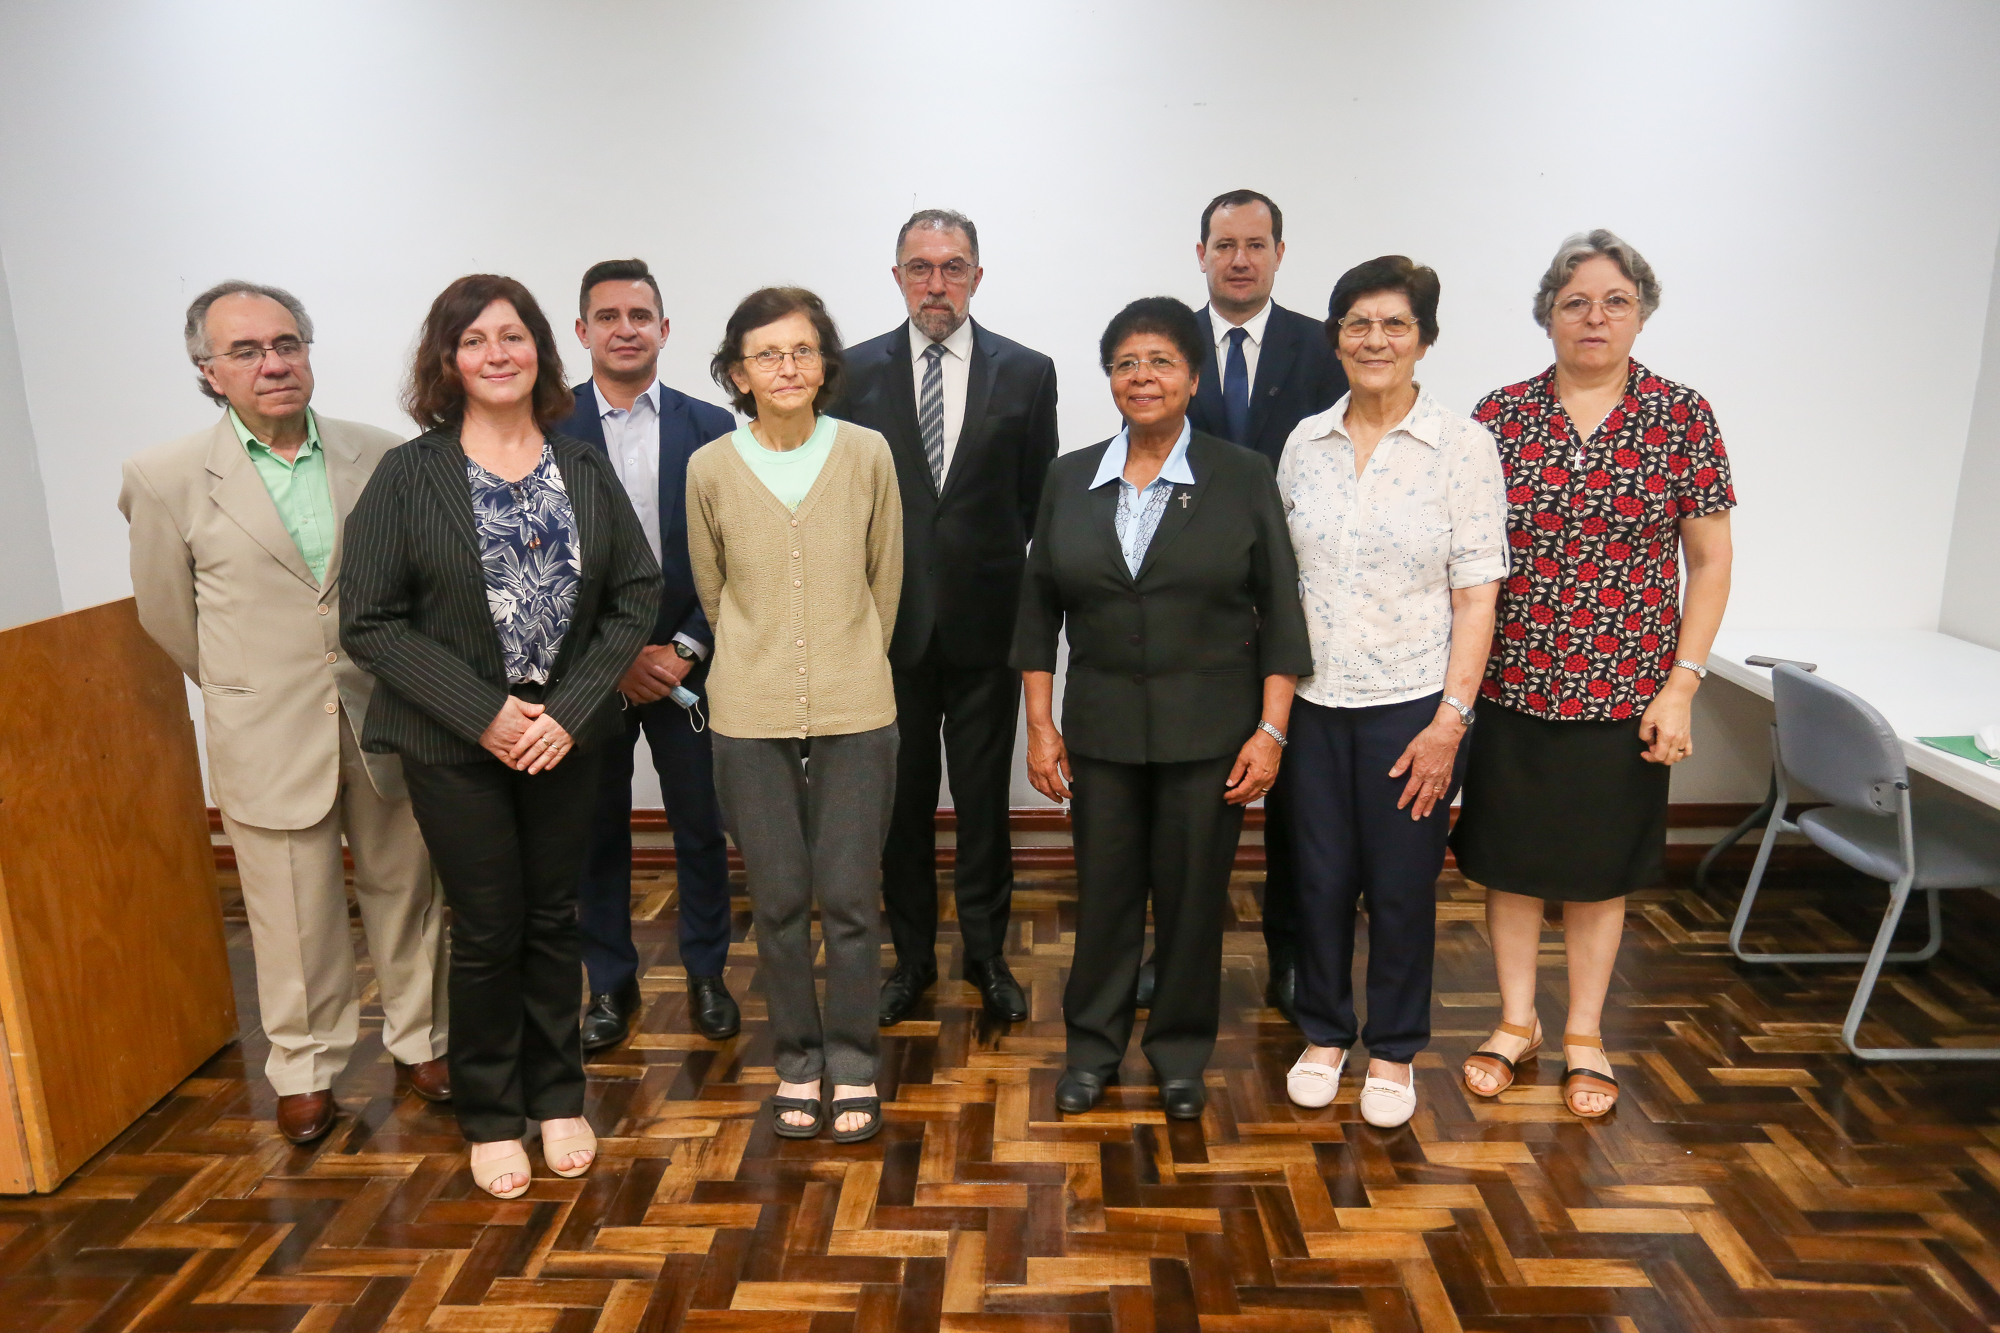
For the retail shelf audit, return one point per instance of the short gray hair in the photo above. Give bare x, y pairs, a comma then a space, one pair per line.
196, 330
939, 219
1587, 245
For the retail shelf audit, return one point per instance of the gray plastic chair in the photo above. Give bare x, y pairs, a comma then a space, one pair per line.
1830, 740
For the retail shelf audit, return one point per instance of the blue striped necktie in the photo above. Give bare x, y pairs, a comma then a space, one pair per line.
930, 412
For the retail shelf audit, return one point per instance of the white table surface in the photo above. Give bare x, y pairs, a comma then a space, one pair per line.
1924, 683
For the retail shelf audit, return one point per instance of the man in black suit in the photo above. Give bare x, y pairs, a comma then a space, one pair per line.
1265, 370
971, 420
648, 431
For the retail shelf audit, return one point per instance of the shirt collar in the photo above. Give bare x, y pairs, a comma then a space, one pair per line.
251, 442
651, 393
1254, 326
958, 342
1424, 421
1175, 470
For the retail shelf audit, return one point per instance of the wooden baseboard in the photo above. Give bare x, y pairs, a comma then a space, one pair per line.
1049, 820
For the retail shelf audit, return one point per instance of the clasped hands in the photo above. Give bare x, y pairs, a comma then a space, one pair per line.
525, 737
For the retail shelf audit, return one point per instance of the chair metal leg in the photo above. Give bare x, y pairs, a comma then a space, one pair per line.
1899, 895
1736, 835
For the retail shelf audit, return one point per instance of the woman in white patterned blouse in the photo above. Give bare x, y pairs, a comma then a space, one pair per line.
1397, 510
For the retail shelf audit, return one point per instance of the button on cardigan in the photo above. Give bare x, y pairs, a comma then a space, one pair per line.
803, 602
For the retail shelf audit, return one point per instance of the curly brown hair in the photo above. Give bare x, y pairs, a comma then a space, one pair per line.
768, 305
435, 396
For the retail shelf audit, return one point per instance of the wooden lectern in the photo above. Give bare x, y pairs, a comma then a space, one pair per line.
114, 980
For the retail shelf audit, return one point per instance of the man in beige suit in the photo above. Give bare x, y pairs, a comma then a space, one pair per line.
235, 565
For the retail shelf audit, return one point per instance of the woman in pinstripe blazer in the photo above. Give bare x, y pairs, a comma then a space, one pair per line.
497, 585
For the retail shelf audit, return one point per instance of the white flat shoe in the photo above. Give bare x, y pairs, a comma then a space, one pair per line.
1311, 1085
1386, 1103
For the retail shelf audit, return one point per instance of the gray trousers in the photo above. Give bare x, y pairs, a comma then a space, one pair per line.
810, 817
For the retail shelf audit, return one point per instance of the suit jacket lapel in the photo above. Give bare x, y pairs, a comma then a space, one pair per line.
238, 490
978, 391
1209, 392
677, 444
901, 386
589, 418
1101, 505
1274, 362
444, 473
344, 482
1180, 507
583, 506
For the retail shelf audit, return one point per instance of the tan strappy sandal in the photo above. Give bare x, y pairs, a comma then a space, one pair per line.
559, 1149
511, 1164
1498, 1065
1601, 1084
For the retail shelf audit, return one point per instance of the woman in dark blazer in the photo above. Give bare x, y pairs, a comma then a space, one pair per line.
1164, 555
497, 586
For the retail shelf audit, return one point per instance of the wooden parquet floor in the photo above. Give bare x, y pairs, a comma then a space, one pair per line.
1754, 1179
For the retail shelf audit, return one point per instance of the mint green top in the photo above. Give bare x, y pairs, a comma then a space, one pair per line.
299, 489
791, 474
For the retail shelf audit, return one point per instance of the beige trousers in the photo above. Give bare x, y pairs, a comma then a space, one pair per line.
294, 888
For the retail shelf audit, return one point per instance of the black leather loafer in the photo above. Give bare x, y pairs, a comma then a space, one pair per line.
900, 993
713, 1008
1079, 1090
1149, 985
1183, 1098
998, 991
1281, 990
609, 1018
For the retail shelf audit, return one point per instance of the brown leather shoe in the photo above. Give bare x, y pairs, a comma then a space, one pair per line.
430, 1080
305, 1116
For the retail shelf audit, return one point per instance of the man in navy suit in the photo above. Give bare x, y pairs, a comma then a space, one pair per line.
970, 417
1265, 370
649, 431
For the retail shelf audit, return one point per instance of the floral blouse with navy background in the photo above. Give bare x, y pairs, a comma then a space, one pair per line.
1589, 618
533, 563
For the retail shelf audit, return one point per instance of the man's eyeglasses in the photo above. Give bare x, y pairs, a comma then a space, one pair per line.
920, 270
292, 351
1130, 366
1616, 306
805, 358
1354, 328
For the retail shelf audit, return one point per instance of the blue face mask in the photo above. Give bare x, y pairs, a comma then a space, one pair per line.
691, 701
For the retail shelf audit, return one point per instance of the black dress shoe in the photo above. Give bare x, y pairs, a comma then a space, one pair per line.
998, 990
1079, 1090
1149, 985
713, 1008
1183, 1098
609, 1018
900, 993
1281, 990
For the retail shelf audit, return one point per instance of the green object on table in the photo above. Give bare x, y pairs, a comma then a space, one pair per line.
1961, 746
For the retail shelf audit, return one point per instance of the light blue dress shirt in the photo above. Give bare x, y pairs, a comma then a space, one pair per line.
1140, 511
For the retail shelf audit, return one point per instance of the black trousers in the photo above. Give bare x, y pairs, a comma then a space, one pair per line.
509, 848
685, 762
1167, 828
1353, 845
977, 709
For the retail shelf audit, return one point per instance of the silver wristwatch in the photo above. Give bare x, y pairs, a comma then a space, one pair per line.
1274, 734
1464, 710
1700, 671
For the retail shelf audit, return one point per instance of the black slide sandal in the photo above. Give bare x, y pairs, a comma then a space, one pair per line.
872, 1105
810, 1105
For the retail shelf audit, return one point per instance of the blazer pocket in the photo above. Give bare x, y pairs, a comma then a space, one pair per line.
226, 690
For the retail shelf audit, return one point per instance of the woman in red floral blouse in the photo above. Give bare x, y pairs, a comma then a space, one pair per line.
1614, 476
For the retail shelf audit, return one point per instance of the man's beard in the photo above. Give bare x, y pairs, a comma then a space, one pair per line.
937, 322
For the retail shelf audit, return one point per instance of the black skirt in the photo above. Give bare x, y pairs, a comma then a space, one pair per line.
1562, 810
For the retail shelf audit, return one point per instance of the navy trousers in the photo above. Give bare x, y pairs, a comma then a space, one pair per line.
1352, 845
684, 760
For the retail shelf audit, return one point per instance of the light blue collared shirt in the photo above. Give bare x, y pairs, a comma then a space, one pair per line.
1139, 512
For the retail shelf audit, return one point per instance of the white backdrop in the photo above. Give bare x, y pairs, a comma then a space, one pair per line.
1788, 168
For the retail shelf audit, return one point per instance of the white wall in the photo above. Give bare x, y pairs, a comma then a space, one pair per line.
29, 590
1786, 167
1972, 578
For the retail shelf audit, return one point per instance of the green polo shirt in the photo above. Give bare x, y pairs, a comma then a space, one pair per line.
298, 489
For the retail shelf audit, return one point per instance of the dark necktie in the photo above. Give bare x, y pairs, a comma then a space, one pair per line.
1236, 390
930, 412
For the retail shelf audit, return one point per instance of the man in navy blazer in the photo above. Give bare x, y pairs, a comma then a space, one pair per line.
1265, 370
649, 431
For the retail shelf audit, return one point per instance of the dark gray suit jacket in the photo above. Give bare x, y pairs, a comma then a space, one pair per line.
1170, 666
413, 608
1297, 377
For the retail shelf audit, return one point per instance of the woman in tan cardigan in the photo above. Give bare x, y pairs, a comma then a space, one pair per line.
795, 530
